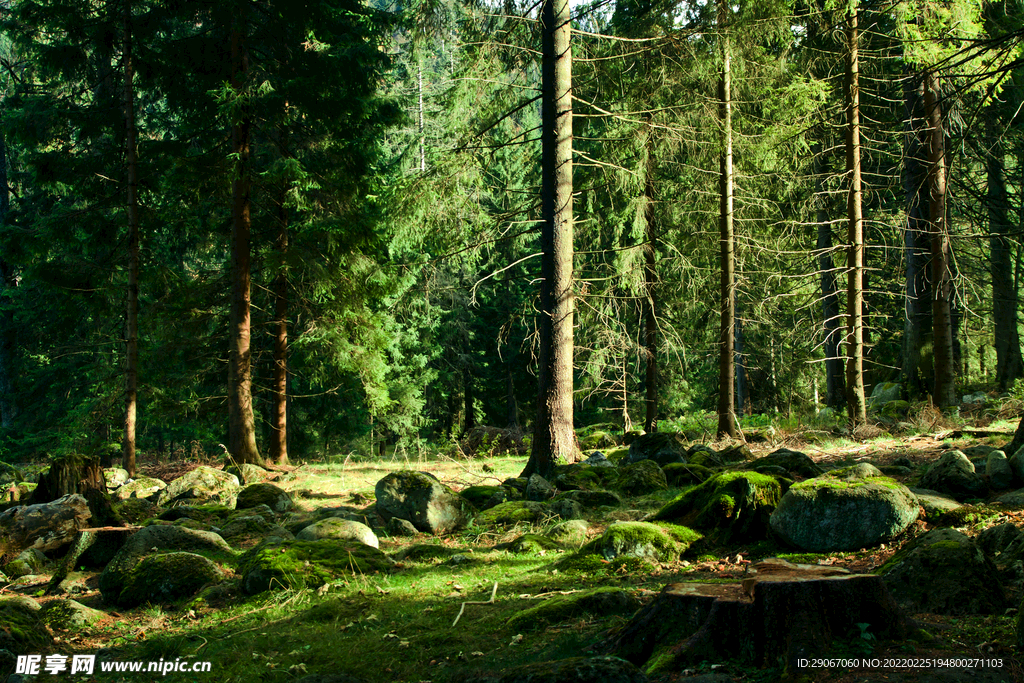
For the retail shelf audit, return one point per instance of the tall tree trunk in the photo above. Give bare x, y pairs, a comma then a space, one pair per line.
8, 407
470, 400
1009, 365
727, 245
942, 328
423, 140
650, 303
835, 378
855, 234
241, 423
511, 406
741, 370
917, 370
554, 438
131, 373
279, 387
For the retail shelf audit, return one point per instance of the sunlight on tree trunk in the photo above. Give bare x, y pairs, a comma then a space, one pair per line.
727, 244
855, 236
132, 315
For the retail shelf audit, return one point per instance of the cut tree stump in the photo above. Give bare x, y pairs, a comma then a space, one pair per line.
82, 475
114, 537
782, 613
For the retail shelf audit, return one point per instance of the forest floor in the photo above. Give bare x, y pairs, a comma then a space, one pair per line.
399, 626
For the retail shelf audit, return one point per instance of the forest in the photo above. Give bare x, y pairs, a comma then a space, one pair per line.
290, 229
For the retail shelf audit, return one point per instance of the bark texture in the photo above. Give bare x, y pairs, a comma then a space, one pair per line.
835, 376
727, 245
1009, 365
279, 382
131, 374
855, 234
651, 302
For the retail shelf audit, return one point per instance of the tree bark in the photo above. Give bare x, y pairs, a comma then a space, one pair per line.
727, 245
554, 438
241, 423
742, 396
470, 401
944, 393
650, 303
279, 401
1009, 365
835, 378
132, 314
855, 234
917, 370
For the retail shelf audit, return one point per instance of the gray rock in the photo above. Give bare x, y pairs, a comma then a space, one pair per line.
827, 514
141, 487
1003, 543
167, 577
884, 392
430, 505
571, 533
115, 477
250, 526
635, 539
339, 529
997, 467
400, 527
539, 489
787, 461
1017, 465
661, 447
274, 497
566, 508
71, 615
944, 572
641, 478
202, 485
31, 561
861, 470
1013, 498
248, 473
934, 502
598, 459
72, 584
954, 474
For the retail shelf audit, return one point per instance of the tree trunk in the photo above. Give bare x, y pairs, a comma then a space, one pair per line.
511, 406
855, 235
1009, 365
554, 438
944, 393
741, 371
132, 314
423, 140
8, 407
835, 378
650, 303
727, 245
279, 386
241, 423
917, 370
470, 401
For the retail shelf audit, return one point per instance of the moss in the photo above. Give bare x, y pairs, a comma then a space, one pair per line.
167, 577
512, 512
730, 504
966, 515
606, 600
479, 495
627, 546
297, 564
530, 543
681, 474
21, 630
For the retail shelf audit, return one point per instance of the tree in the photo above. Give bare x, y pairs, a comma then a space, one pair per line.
855, 234
727, 243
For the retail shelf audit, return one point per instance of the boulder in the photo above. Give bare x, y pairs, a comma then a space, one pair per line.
642, 540
700, 454
590, 499
274, 497
513, 512
933, 502
1003, 543
307, 564
46, 526
1017, 465
661, 447
1013, 498
732, 505
242, 530
566, 508
598, 460
203, 485
23, 631
400, 527
339, 530
598, 601
420, 498
166, 578
31, 561
684, 474
115, 477
141, 487
539, 489
70, 615
583, 476
998, 470
954, 474
884, 392
530, 543
480, 496
74, 583
861, 470
598, 439
571, 533
829, 514
248, 473
793, 462
153, 539
944, 572
641, 478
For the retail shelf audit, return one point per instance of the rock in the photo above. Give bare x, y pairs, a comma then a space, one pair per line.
682, 475
790, 461
31, 561
583, 477
142, 487
400, 527
641, 478
248, 473
71, 615
559, 608
307, 564
340, 530
998, 470
976, 397
426, 553
733, 505
574, 670
884, 392
153, 539
72, 584
1003, 543
944, 572
479, 496
274, 497
954, 474
828, 514
661, 447
530, 543
1013, 498
512, 512
1017, 465
17, 493
203, 485
598, 460
430, 505
590, 499
9, 474
861, 470
933, 502
571, 533
598, 439
167, 578
565, 508
115, 477
641, 539
539, 489
23, 631
246, 528
700, 454
892, 409
46, 526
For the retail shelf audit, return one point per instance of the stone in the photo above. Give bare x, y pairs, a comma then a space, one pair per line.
45, 526
400, 527
643, 540
339, 529
861, 470
591, 499
933, 502
513, 512
661, 447
573, 670
884, 392
152, 539
23, 631
954, 474
480, 496
1017, 465
732, 505
430, 505
598, 439
571, 533
285, 565
682, 475
598, 460
790, 461
998, 470
599, 601
167, 577
31, 561
539, 489
274, 497
565, 508
529, 543
141, 487
1013, 498
1003, 543
203, 485
248, 473
71, 615
641, 478
246, 528
944, 572
828, 514
74, 583
115, 477
9, 474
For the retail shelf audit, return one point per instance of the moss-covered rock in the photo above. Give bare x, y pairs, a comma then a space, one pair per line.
71, 615
599, 601
598, 439
423, 500
661, 543
115, 477
167, 578
574, 670
954, 474
22, 630
339, 530
480, 496
301, 564
9, 474
243, 531
203, 485
944, 572
793, 462
248, 473
640, 478
582, 477
274, 497
140, 487
426, 552
661, 447
732, 505
934, 503
699, 454
828, 514
682, 475
590, 499
513, 512
530, 543
571, 533
27, 562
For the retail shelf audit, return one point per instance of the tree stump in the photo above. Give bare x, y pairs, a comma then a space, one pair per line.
113, 538
82, 475
782, 613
